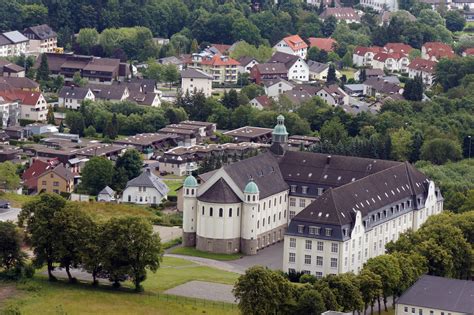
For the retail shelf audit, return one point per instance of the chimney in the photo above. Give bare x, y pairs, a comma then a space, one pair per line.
328, 159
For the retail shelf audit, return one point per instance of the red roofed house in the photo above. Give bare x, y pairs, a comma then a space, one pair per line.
398, 48
363, 56
268, 71
261, 102
223, 69
326, 44
391, 62
468, 52
37, 168
293, 45
33, 105
436, 50
349, 15
424, 68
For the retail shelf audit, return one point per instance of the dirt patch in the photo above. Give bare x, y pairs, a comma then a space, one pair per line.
7, 292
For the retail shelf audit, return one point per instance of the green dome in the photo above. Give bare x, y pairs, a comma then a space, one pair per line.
190, 181
280, 129
251, 188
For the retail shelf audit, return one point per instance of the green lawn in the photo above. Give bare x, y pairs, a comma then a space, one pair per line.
15, 200
42, 297
191, 251
105, 210
349, 72
173, 185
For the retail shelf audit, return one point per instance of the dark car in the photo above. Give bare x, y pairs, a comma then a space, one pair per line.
4, 204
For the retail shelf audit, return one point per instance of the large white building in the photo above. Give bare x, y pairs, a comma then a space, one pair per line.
293, 45
381, 5
334, 212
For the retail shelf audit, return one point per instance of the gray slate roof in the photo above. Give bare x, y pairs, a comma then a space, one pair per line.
287, 59
148, 179
317, 67
41, 32
195, 73
15, 37
77, 93
441, 293
220, 192
107, 191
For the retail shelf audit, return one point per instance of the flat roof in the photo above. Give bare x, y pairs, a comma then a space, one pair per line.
144, 139
249, 132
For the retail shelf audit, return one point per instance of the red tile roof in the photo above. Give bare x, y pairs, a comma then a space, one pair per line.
326, 44
361, 51
382, 56
36, 169
424, 65
219, 60
398, 48
25, 97
264, 101
295, 42
438, 50
222, 48
469, 52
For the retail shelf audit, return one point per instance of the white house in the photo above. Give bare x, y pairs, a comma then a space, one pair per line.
9, 112
390, 61
319, 71
381, 5
196, 80
106, 195
436, 50
363, 56
261, 102
424, 68
13, 44
293, 45
275, 87
333, 95
297, 68
71, 97
246, 63
42, 39
33, 105
147, 188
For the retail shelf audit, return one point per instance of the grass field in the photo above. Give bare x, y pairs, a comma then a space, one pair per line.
173, 185
349, 72
104, 211
15, 200
42, 297
191, 251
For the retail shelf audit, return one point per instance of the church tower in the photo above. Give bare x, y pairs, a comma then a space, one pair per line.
279, 137
190, 187
249, 244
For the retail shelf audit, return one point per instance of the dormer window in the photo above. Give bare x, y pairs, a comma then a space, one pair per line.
328, 231
320, 191
300, 228
293, 188
304, 189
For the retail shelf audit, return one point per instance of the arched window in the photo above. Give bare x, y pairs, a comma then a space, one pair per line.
248, 198
187, 191
230, 212
221, 212
192, 191
253, 197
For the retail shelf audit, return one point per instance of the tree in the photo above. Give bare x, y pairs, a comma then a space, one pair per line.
10, 246
252, 91
78, 80
170, 74
131, 162
401, 141
9, 179
387, 267
346, 291
42, 226
439, 151
97, 173
329, 26
430, 18
333, 131
33, 14
87, 38
261, 291
316, 54
50, 116
455, 21
91, 252
331, 78
370, 285
413, 90
75, 122
310, 302
132, 249
417, 142
230, 99
111, 128
42, 74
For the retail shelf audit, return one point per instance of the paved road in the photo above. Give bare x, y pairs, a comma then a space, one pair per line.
9, 214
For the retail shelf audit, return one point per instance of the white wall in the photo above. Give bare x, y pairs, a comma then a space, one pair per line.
190, 84
142, 196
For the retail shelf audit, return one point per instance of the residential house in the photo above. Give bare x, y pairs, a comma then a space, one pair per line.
42, 39
268, 71
275, 87
386, 16
363, 56
297, 96
369, 73
40, 128
296, 66
193, 80
56, 180
9, 112
333, 95
223, 69
148, 143
33, 105
398, 48
13, 44
261, 102
381, 5
296, 143
37, 168
326, 44
246, 64
147, 188
9, 153
71, 97
379, 86
219, 49
349, 15
250, 134
17, 132
319, 71
393, 62
462, 5
142, 91
437, 296
206, 129
106, 195
424, 68
436, 50
112, 92
8, 69
172, 60
184, 137
293, 45
325, 3
18, 83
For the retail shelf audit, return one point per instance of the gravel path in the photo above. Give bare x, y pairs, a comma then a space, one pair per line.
211, 263
204, 290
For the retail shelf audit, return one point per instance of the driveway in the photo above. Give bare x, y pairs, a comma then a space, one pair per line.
9, 214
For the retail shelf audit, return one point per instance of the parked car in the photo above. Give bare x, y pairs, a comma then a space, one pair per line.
4, 204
